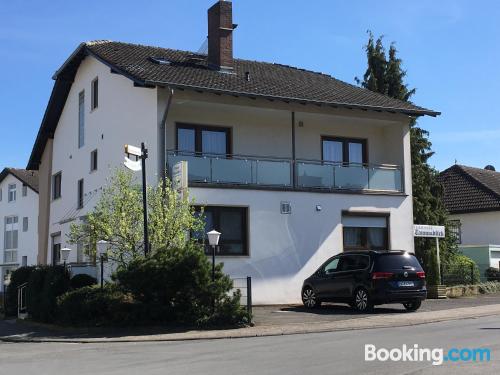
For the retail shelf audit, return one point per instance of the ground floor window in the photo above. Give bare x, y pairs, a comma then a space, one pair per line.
365, 232
455, 228
56, 249
232, 223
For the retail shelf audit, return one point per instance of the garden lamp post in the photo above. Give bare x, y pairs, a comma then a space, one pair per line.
64, 252
213, 240
102, 251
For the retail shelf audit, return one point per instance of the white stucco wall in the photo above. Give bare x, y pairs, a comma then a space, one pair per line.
284, 249
125, 115
482, 228
22, 207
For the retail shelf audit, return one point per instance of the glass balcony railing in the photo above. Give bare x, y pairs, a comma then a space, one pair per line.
273, 172
234, 170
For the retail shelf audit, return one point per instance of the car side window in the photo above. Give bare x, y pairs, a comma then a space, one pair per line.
363, 262
348, 263
331, 266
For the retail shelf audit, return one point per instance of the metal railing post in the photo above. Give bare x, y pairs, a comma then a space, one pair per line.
249, 295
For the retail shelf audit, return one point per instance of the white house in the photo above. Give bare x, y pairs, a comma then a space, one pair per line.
19, 217
293, 166
472, 197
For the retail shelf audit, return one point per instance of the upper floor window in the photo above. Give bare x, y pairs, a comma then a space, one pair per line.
203, 139
25, 224
0, 195
81, 119
344, 150
80, 194
56, 185
11, 232
455, 227
94, 94
93, 161
12, 192
25, 190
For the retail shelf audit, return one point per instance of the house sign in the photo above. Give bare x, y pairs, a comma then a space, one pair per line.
435, 231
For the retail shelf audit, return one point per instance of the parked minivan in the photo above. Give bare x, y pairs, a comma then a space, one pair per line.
364, 279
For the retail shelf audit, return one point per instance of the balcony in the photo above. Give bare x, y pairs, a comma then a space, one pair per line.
276, 173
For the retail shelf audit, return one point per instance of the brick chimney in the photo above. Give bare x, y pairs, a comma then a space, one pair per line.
220, 36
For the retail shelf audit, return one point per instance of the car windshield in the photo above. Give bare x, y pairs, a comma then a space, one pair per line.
396, 262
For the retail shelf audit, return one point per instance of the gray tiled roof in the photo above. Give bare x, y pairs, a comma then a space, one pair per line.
29, 178
468, 189
265, 79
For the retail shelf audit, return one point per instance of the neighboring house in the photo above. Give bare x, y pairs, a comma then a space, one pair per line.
472, 197
293, 166
19, 218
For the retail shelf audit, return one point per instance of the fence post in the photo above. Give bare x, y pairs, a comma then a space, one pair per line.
249, 295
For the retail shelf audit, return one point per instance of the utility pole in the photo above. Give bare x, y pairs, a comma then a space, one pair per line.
144, 156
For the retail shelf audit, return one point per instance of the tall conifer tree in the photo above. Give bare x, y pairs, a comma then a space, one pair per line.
385, 75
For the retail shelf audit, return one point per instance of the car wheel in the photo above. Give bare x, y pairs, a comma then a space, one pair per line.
362, 302
412, 305
309, 298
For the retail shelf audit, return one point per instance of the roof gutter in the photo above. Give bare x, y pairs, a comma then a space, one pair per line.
298, 100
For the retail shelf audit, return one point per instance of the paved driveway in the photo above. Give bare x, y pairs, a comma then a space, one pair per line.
279, 315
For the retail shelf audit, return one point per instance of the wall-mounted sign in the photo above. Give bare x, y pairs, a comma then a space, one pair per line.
434, 231
180, 177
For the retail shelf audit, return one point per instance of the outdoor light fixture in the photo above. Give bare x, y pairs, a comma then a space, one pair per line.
213, 237
64, 252
213, 240
102, 251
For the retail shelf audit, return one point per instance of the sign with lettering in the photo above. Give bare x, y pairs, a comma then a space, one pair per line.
180, 177
434, 231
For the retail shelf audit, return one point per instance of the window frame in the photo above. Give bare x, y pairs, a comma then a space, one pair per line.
94, 94
81, 119
80, 193
345, 147
455, 229
198, 129
13, 191
364, 233
216, 211
5, 247
56, 188
94, 160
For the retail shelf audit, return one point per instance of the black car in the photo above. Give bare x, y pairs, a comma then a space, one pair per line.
367, 278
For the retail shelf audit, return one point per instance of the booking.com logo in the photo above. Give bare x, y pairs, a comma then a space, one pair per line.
436, 356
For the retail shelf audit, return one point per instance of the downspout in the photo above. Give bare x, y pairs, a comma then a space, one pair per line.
294, 166
162, 136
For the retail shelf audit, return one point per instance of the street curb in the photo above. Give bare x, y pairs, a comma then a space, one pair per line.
371, 322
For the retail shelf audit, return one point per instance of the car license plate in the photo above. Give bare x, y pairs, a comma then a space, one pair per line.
406, 283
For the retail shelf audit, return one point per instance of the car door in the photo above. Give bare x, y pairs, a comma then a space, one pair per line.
344, 277
325, 282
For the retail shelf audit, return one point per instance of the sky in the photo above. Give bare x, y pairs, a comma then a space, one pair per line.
450, 50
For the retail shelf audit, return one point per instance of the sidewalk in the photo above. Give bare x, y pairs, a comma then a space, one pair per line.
286, 324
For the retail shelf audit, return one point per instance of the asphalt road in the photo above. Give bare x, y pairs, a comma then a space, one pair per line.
325, 353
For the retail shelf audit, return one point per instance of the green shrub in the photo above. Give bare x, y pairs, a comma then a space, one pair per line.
18, 277
492, 274
82, 280
45, 284
460, 270
93, 306
176, 286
